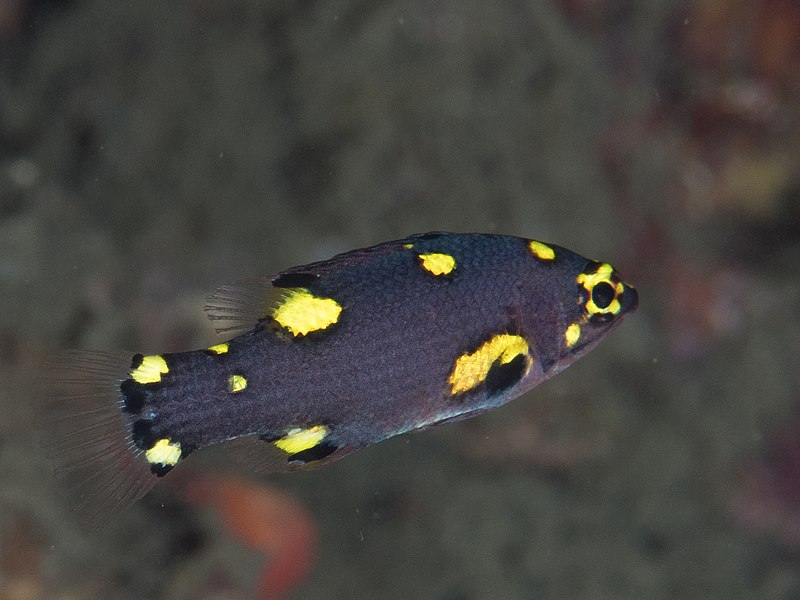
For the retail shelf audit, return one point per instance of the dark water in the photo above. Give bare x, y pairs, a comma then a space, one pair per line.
152, 151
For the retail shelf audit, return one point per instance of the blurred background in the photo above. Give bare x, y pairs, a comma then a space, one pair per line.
151, 151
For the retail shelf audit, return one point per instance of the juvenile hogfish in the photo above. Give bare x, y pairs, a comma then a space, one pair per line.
333, 357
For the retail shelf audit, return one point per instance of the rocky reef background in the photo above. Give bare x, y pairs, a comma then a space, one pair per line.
152, 151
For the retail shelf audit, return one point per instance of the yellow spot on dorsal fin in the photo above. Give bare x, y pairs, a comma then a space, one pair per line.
541, 251
301, 312
572, 334
164, 452
438, 264
471, 369
236, 383
297, 439
219, 348
150, 369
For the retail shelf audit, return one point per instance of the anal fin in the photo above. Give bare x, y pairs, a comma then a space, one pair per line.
264, 457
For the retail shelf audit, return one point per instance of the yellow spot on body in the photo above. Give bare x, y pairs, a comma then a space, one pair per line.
219, 348
302, 312
541, 251
296, 440
150, 370
572, 335
164, 452
236, 383
438, 264
470, 370
408, 246
601, 275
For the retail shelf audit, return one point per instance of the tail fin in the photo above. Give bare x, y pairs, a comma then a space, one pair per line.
88, 436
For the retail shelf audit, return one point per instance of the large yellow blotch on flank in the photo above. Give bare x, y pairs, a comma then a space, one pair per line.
296, 440
572, 335
541, 251
164, 452
219, 348
301, 312
438, 264
470, 370
151, 369
601, 275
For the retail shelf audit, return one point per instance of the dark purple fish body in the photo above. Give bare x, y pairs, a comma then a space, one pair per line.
335, 356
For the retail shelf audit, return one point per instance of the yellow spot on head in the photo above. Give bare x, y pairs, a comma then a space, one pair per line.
603, 274
572, 335
150, 370
302, 312
541, 251
219, 348
470, 370
236, 383
296, 440
164, 452
438, 264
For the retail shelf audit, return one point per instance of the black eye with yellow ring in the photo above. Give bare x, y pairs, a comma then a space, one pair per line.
600, 291
603, 294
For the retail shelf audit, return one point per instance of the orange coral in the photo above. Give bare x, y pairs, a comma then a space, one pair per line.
266, 520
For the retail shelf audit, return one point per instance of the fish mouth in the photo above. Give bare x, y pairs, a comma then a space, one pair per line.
630, 299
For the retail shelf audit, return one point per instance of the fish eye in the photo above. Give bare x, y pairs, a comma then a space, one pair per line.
603, 294
600, 291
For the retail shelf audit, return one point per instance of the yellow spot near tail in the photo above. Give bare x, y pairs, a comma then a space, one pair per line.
302, 312
438, 264
296, 440
541, 251
164, 452
236, 383
150, 370
572, 335
603, 274
219, 348
470, 370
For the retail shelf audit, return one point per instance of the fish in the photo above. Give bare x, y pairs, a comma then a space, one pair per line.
328, 358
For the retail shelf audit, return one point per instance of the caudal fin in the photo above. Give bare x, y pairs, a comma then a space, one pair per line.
87, 434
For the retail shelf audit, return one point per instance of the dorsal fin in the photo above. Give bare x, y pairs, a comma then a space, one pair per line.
241, 305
